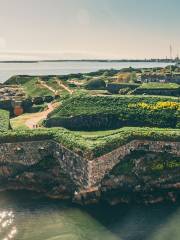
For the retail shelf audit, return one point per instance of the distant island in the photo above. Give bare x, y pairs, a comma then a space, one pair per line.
163, 60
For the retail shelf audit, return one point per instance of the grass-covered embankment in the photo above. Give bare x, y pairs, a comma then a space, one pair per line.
94, 144
155, 88
4, 120
31, 85
109, 112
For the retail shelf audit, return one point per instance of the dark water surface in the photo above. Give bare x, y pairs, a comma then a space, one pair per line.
29, 216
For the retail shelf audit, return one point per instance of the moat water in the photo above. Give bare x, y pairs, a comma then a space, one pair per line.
57, 68
29, 216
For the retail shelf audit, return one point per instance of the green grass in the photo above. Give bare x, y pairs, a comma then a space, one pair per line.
33, 89
86, 104
94, 144
30, 85
160, 86
87, 112
19, 122
4, 120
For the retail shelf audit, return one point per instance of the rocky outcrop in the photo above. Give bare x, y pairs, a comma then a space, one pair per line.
138, 171
143, 177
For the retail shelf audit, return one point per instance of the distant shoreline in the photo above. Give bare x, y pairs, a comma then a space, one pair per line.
92, 60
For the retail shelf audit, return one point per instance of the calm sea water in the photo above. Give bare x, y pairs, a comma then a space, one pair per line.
43, 68
28, 216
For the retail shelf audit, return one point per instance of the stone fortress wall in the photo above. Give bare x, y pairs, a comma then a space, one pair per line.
84, 173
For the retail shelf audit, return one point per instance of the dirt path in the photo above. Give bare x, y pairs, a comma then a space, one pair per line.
34, 118
48, 87
64, 86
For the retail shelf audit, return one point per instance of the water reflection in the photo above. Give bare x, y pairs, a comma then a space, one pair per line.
7, 227
28, 216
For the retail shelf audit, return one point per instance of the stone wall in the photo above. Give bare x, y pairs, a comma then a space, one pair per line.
25, 153
73, 164
84, 173
99, 167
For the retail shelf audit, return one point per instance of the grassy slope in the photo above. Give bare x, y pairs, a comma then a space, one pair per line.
94, 144
159, 86
30, 85
19, 122
33, 89
82, 105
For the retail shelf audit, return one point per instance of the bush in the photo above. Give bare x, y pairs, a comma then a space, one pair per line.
96, 84
114, 88
48, 99
124, 91
27, 104
38, 100
109, 112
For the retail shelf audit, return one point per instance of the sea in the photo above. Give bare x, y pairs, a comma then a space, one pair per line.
30, 216
8, 70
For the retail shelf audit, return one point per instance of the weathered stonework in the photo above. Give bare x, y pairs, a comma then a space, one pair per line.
73, 164
25, 153
84, 173
100, 166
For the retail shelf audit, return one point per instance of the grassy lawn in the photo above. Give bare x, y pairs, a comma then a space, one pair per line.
19, 122
160, 86
93, 134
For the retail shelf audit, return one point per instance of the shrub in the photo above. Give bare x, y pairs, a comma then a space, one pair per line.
38, 100
109, 112
124, 91
114, 88
96, 84
48, 99
27, 104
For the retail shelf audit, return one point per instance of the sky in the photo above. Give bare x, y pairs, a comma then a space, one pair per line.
79, 29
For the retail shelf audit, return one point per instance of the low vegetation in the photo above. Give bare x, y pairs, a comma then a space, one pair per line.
165, 89
4, 120
92, 145
110, 112
99, 120
95, 84
153, 85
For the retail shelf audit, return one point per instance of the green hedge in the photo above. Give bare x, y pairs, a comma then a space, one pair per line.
95, 84
4, 120
108, 112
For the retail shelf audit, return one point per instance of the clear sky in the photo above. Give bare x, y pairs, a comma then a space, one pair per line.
88, 28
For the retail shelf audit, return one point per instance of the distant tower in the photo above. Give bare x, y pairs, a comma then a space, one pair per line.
170, 51
177, 56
